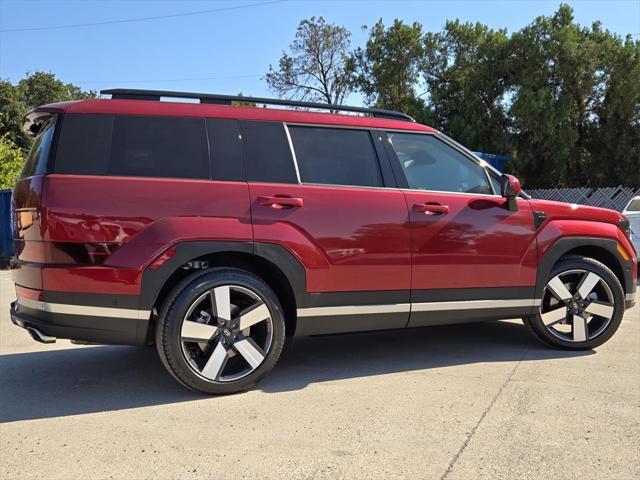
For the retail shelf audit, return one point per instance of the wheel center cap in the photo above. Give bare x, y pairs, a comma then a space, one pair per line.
226, 332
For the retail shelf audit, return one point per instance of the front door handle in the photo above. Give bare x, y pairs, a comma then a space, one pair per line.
431, 208
277, 201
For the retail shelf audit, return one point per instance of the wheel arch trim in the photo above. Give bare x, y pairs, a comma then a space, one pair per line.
564, 246
154, 279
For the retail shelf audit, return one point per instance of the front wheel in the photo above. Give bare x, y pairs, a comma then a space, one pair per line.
582, 305
220, 331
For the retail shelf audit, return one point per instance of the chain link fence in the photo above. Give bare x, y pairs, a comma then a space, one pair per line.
615, 198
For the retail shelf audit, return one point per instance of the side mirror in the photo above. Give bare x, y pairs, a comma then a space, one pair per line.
510, 188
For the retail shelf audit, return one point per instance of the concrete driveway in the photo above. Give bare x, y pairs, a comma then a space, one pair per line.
480, 401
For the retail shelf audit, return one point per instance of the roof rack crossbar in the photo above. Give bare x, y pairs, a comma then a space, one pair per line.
208, 98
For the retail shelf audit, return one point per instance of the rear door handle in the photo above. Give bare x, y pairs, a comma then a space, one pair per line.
431, 208
277, 201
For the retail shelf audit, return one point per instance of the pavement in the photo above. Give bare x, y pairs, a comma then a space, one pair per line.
477, 401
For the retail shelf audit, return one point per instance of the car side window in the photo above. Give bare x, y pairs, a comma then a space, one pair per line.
267, 154
430, 164
36, 161
170, 147
225, 147
495, 181
134, 146
336, 156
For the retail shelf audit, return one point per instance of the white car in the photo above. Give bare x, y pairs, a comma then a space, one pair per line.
632, 212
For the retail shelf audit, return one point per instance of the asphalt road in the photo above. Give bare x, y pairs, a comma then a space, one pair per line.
480, 401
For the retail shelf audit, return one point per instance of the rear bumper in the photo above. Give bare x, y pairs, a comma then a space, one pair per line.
80, 322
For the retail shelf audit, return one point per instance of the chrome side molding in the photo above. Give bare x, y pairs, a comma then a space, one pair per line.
417, 307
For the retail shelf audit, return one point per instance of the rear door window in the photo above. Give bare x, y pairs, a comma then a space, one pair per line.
36, 161
336, 156
266, 152
430, 164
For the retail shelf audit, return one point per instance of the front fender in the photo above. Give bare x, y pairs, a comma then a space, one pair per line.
557, 238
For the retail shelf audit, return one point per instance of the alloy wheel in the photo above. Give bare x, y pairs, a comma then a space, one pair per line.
226, 333
577, 305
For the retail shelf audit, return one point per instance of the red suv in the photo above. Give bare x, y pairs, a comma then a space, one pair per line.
217, 231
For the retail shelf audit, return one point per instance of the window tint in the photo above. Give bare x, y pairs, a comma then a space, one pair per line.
336, 156
159, 147
36, 161
84, 146
266, 153
226, 150
140, 146
431, 164
495, 181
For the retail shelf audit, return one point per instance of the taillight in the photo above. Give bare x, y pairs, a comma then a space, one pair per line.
23, 219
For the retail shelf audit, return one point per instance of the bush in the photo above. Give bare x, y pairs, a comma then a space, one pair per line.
11, 162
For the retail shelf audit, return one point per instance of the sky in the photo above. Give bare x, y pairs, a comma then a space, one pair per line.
227, 46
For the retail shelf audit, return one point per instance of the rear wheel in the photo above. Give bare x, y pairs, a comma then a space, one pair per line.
220, 331
582, 305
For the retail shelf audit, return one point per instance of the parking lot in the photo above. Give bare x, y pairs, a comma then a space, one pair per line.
474, 401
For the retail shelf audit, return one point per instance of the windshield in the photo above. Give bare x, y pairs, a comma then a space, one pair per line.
634, 205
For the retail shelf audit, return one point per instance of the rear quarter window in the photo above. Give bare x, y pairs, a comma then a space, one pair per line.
159, 147
129, 145
38, 157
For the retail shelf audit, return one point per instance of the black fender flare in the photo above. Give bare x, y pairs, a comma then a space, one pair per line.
154, 279
565, 245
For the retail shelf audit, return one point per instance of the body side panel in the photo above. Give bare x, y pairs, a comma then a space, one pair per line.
478, 244
349, 239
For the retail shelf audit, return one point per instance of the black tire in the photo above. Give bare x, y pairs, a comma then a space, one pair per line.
169, 340
571, 263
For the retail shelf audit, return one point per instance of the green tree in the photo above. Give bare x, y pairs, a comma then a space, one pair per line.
11, 161
241, 103
317, 65
614, 135
387, 68
37, 88
12, 111
557, 76
464, 68
40, 88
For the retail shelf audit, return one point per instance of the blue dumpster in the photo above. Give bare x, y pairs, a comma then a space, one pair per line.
496, 161
6, 236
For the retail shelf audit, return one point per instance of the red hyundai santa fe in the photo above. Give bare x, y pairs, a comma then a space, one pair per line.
217, 231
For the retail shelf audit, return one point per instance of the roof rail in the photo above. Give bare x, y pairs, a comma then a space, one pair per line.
136, 94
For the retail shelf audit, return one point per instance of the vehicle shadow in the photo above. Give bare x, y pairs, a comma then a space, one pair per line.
94, 379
